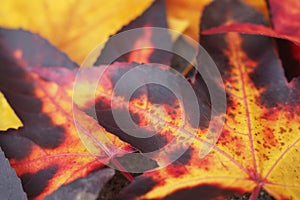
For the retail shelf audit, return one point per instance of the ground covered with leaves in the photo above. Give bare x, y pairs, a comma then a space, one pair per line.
53, 147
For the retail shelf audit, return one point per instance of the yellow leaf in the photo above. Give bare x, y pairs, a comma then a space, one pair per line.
178, 25
189, 10
8, 117
75, 27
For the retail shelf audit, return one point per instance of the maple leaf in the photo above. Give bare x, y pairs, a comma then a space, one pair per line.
9, 119
249, 28
281, 17
257, 143
47, 152
49, 85
283, 22
165, 109
284, 27
96, 20
260, 138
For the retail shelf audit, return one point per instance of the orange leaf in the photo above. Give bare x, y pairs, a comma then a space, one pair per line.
259, 145
152, 106
47, 152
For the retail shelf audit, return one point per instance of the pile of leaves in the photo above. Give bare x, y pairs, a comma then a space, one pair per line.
255, 45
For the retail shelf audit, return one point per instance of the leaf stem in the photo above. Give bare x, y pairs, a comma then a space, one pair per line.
119, 167
188, 68
255, 192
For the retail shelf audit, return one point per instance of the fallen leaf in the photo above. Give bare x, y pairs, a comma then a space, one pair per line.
283, 17
27, 47
86, 188
152, 106
143, 43
260, 139
47, 152
191, 11
249, 28
284, 27
73, 26
269, 117
179, 25
8, 117
10, 186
